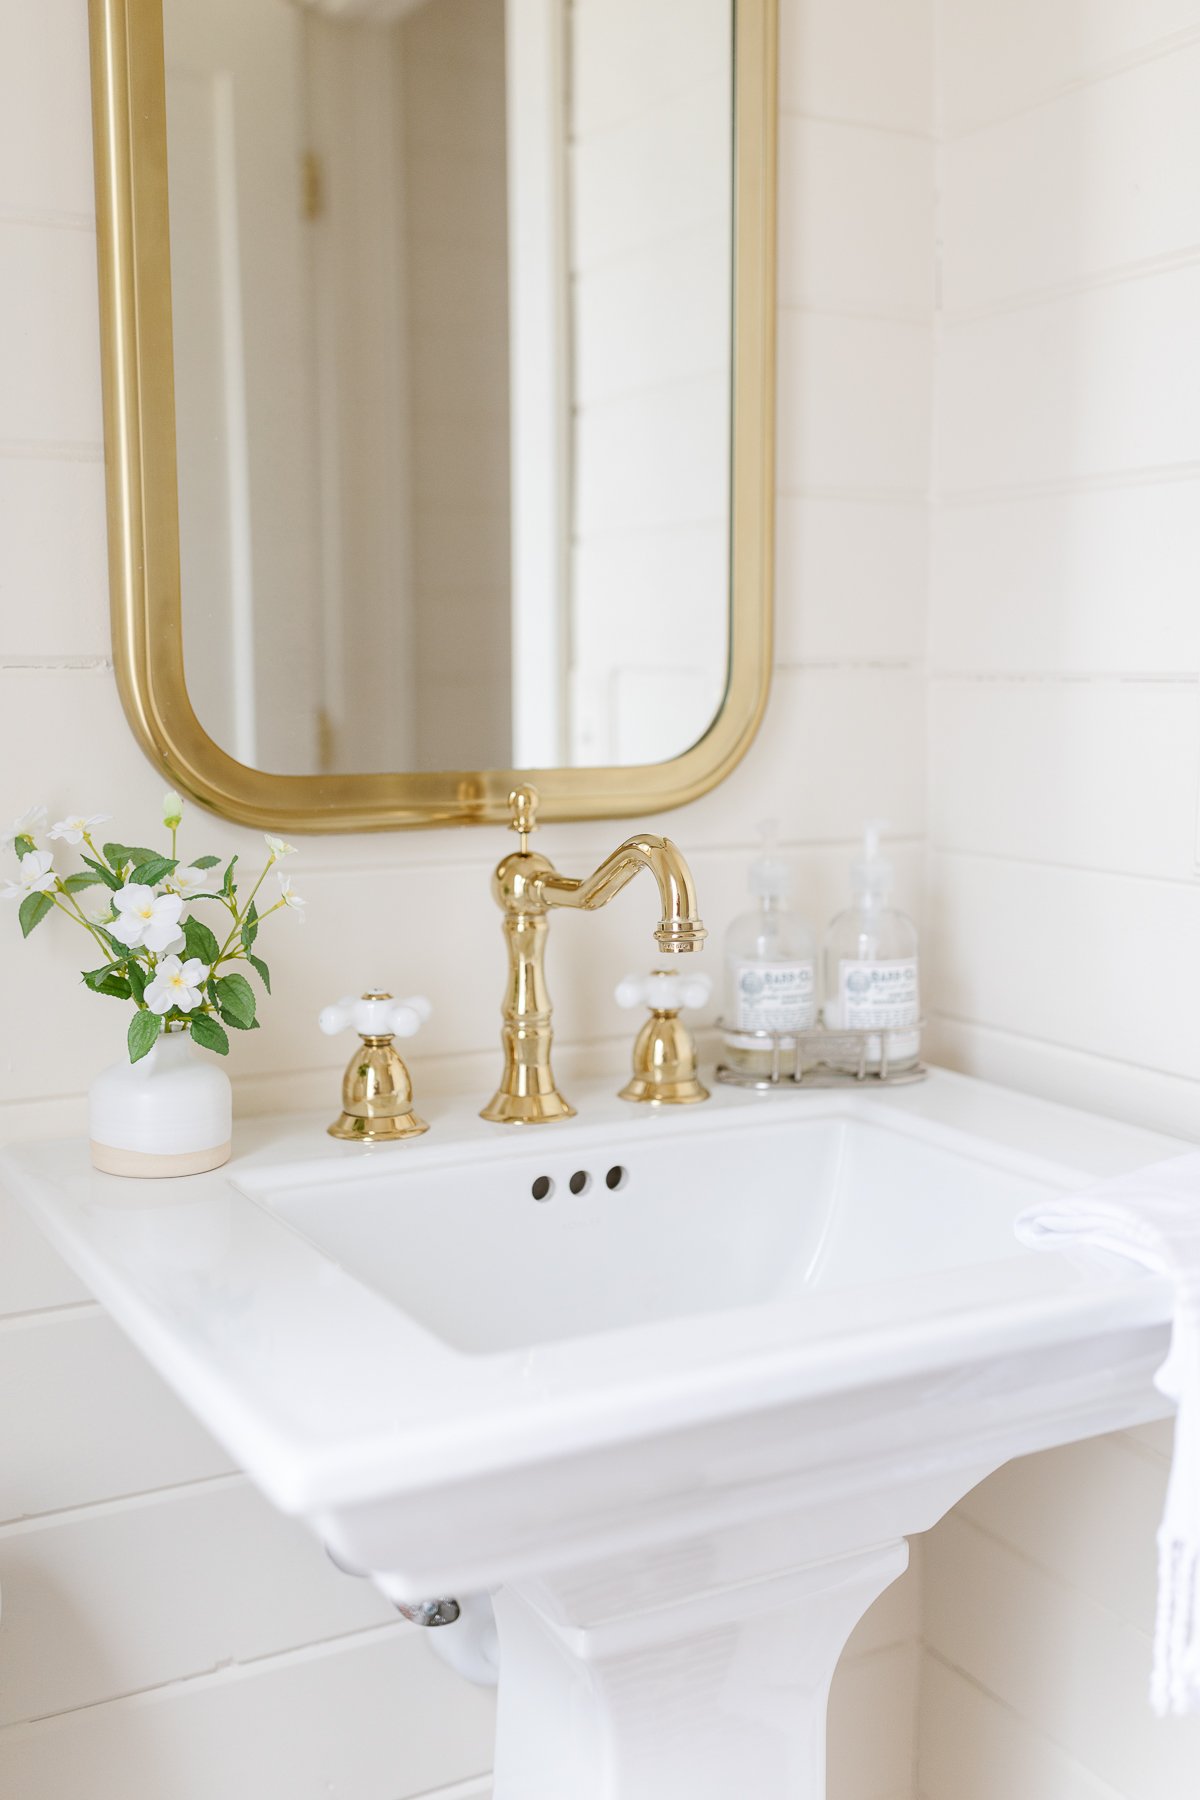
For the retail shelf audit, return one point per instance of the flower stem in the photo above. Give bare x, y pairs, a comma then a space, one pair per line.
73, 912
240, 917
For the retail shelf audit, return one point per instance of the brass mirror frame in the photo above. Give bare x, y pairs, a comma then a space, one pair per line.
133, 248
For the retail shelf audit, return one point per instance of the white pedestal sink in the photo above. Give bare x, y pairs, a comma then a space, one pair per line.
675, 1389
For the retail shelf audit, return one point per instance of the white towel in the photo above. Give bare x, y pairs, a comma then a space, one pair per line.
1153, 1218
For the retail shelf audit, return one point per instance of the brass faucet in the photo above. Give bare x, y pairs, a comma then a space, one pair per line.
526, 886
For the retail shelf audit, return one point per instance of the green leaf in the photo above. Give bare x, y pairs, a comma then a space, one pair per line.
136, 977
261, 970
200, 941
250, 927
206, 862
34, 908
75, 884
208, 1034
148, 873
235, 1001
95, 978
144, 1029
124, 856
116, 986
105, 875
23, 845
227, 882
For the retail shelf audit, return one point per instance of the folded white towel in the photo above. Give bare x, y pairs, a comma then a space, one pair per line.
1153, 1218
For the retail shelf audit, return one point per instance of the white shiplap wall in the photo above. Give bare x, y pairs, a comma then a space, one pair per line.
1064, 931
164, 1635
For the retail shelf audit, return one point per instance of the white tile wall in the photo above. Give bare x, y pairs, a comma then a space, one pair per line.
164, 1635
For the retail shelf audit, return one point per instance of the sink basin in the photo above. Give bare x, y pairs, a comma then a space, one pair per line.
675, 1388
568, 1241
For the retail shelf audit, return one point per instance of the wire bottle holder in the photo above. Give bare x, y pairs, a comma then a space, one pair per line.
825, 1057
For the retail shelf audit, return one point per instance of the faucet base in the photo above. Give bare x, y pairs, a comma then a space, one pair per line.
527, 1109
665, 1093
356, 1128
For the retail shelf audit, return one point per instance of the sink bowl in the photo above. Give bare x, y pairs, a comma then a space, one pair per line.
675, 1389
569, 1240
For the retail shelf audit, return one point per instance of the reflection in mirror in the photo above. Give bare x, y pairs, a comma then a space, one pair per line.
451, 285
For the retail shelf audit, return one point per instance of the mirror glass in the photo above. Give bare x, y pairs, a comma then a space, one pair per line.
451, 287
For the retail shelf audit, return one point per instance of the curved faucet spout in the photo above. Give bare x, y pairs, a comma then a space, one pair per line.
680, 927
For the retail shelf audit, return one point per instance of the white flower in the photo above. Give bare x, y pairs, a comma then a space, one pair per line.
278, 848
31, 824
76, 828
35, 876
95, 904
172, 815
287, 896
176, 984
146, 919
189, 881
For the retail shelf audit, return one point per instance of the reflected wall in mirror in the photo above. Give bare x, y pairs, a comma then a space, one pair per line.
451, 289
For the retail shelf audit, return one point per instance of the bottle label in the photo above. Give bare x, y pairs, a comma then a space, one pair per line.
774, 996
878, 995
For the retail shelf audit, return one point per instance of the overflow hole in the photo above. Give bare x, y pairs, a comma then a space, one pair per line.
616, 1177
542, 1188
580, 1182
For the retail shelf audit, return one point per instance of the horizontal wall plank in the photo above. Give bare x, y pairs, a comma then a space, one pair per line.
851, 580
1101, 775
866, 419
1067, 957
1079, 387
32, 1275
84, 1417
300, 1727
44, 76
1099, 1084
1077, 583
107, 1601
1063, 1665
865, 60
53, 561
973, 1748
1106, 176
52, 374
856, 218
996, 60
1087, 1514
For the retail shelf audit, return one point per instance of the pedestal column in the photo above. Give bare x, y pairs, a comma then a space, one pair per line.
720, 1695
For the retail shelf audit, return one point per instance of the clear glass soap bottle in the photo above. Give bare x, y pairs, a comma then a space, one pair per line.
871, 969
770, 969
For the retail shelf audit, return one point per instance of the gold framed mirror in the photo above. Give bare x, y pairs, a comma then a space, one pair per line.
145, 409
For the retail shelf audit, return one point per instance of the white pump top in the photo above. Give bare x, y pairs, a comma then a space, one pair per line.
770, 877
871, 876
666, 990
376, 1014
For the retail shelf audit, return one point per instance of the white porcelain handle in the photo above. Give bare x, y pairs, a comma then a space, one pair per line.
376, 1016
664, 990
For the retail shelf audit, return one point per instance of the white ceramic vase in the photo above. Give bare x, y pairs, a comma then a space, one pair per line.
169, 1114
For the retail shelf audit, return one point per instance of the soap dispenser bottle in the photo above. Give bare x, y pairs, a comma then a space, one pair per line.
770, 968
871, 966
